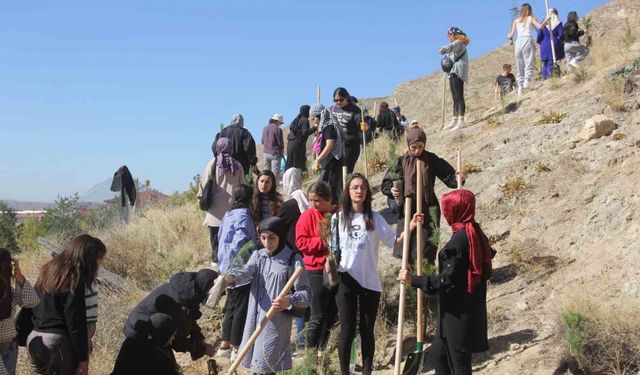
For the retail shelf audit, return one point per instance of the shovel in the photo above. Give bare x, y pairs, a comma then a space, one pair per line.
415, 360
405, 264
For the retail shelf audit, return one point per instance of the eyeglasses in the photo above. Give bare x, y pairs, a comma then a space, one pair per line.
339, 100
358, 188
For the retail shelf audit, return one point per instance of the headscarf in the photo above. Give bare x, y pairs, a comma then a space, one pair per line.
279, 227
238, 120
224, 161
453, 30
292, 183
242, 196
554, 20
295, 124
409, 163
459, 208
204, 281
328, 119
164, 326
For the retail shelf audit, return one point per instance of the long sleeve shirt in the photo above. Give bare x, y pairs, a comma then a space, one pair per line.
309, 239
23, 296
458, 50
273, 140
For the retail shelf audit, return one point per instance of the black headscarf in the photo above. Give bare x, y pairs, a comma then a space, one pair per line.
204, 281
279, 227
242, 196
164, 326
295, 124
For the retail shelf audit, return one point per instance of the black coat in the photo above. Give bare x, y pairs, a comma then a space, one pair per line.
435, 167
138, 357
180, 299
124, 184
290, 213
462, 317
388, 121
243, 146
299, 132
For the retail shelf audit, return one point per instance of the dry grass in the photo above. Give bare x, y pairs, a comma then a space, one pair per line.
471, 168
514, 186
493, 122
551, 118
579, 75
618, 136
613, 94
603, 339
541, 167
527, 257
380, 151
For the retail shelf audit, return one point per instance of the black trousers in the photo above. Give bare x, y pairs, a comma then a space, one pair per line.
350, 294
235, 314
213, 238
352, 153
457, 93
323, 311
332, 174
448, 360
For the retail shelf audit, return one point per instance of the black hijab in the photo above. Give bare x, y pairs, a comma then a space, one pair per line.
242, 196
164, 326
295, 124
279, 227
204, 281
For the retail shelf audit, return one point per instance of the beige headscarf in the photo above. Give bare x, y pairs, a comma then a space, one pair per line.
292, 184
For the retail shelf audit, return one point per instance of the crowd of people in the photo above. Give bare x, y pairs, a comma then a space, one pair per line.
263, 225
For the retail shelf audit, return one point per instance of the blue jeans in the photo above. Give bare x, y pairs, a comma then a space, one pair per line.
9, 355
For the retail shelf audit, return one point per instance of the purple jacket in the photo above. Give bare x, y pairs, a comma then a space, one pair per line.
545, 43
273, 140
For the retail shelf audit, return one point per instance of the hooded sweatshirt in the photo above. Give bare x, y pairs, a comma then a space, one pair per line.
309, 240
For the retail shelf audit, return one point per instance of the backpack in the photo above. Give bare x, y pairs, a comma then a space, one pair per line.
206, 199
296, 312
24, 325
446, 63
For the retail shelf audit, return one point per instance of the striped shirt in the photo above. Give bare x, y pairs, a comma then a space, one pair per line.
91, 301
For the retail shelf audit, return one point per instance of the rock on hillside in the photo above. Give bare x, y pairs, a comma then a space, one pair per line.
566, 211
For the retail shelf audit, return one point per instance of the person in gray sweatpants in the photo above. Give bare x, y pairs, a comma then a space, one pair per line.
525, 26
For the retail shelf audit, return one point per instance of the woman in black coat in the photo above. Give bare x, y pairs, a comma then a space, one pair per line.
404, 173
180, 298
150, 351
299, 132
461, 283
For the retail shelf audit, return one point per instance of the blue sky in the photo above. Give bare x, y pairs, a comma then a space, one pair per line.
88, 86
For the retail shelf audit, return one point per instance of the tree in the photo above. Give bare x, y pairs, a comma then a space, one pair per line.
8, 222
64, 220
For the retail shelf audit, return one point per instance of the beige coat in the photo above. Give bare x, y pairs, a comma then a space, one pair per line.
222, 194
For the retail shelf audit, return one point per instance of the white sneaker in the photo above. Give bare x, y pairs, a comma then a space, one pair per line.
525, 85
454, 121
459, 124
233, 356
519, 90
573, 63
224, 353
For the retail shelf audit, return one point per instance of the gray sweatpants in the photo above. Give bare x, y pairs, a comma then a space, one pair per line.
51, 353
574, 51
272, 163
525, 53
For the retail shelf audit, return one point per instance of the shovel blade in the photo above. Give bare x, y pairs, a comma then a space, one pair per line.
414, 363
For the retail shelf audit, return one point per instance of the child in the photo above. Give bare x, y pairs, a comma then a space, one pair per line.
236, 231
21, 294
266, 200
525, 25
573, 49
505, 82
268, 270
461, 284
458, 75
358, 230
405, 170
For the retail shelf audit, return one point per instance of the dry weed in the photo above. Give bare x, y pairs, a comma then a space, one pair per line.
579, 75
603, 339
618, 136
541, 167
526, 257
493, 122
551, 118
613, 94
471, 168
514, 186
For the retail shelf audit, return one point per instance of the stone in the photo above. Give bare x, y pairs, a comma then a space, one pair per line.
596, 127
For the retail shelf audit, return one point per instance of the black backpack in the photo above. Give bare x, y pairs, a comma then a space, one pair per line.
447, 62
24, 325
208, 190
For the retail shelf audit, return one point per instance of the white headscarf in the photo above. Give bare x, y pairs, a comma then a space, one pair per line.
553, 19
292, 184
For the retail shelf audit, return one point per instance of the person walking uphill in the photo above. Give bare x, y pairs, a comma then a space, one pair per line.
273, 142
348, 115
59, 342
20, 294
405, 170
461, 284
545, 38
243, 147
299, 132
330, 146
525, 26
181, 298
226, 174
458, 75
357, 231
268, 271
573, 49
387, 121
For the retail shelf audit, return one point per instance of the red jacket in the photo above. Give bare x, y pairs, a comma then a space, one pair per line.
309, 240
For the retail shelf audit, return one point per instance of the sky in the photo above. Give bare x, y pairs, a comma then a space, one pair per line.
86, 87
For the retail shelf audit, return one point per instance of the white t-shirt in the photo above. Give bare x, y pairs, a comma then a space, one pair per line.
359, 248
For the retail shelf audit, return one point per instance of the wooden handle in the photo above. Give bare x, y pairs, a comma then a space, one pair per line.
419, 242
405, 263
459, 169
318, 94
263, 323
345, 172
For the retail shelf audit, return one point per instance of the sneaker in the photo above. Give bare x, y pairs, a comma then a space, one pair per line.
233, 356
459, 124
573, 63
519, 90
214, 266
525, 85
454, 121
224, 353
